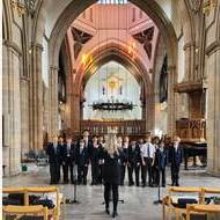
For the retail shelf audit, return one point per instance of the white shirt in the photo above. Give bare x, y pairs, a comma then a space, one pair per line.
176, 147
148, 150
68, 148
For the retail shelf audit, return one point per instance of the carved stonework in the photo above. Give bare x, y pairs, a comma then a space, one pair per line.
80, 38
195, 5
145, 38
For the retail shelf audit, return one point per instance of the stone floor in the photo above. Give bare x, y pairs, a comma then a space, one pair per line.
138, 201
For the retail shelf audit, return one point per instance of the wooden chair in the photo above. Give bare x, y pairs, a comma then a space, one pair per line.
19, 211
202, 209
55, 212
209, 190
169, 203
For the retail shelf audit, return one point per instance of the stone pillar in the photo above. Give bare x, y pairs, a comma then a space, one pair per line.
36, 98
76, 113
213, 109
54, 105
189, 49
69, 103
172, 75
150, 109
25, 113
11, 108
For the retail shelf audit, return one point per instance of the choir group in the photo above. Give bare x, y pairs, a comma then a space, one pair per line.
145, 159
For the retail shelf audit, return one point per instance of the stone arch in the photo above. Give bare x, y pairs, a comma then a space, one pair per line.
119, 53
6, 22
76, 7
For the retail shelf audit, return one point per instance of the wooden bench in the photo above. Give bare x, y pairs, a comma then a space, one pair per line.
207, 191
202, 209
19, 211
55, 212
169, 203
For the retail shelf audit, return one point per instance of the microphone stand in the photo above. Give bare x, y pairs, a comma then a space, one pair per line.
158, 201
74, 201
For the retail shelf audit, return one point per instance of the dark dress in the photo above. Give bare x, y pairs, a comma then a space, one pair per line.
111, 169
111, 176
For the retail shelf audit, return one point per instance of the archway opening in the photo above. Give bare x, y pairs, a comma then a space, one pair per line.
91, 39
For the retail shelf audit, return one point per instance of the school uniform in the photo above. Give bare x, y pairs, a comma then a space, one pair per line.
161, 161
148, 153
95, 163
82, 161
54, 153
68, 160
175, 159
134, 162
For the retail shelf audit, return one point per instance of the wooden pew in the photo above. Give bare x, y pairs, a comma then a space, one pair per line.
169, 203
55, 212
202, 209
19, 211
207, 191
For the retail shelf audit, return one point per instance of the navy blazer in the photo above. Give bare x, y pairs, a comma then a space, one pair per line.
161, 158
89, 147
64, 153
134, 155
82, 158
122, 156
176, 157
54, 157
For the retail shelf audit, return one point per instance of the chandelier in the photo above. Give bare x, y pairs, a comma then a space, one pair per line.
113, 105
23, 6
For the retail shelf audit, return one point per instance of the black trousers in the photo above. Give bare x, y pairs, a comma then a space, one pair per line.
82, 174
175, 168
161, 176
147, 171
109, 187
122, 174
54, 173
68, 169
133, 168
95, 172
100, 173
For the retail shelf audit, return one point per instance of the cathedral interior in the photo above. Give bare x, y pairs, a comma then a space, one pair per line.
138, 66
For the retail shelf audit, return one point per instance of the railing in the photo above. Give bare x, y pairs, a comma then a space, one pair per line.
128, 127
191, 129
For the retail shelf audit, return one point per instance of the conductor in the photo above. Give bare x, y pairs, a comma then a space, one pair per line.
111, 173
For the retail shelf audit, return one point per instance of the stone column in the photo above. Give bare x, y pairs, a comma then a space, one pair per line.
172, 75
11, 108
25, 113
36, 98
189, 49
76, 113
54, 126
213, 109
150, 109
69, 103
